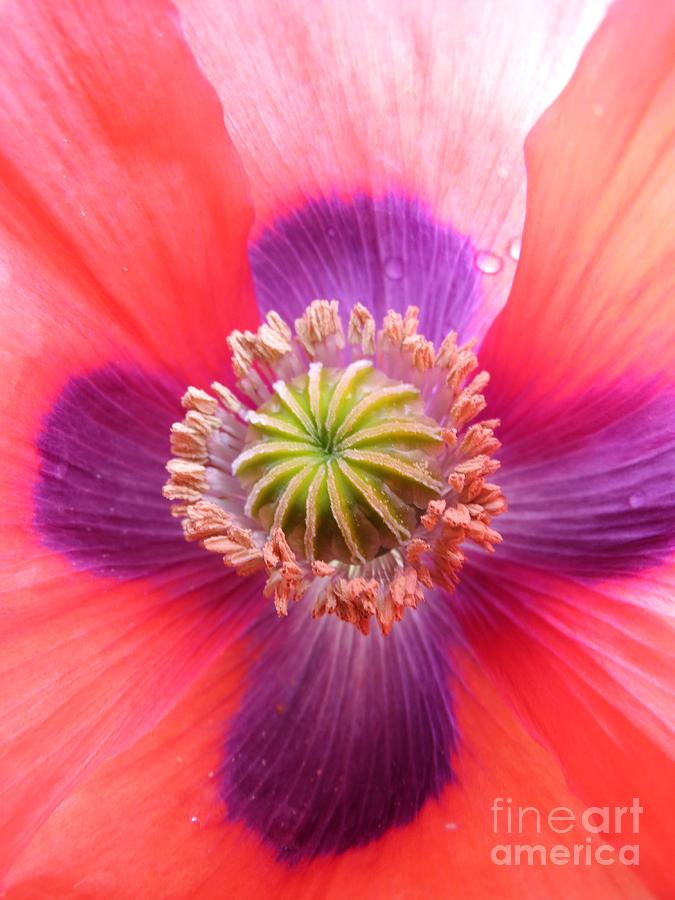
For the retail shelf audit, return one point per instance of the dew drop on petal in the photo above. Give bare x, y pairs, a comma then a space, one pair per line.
514, 248
60, 471
393, 268
488, 263
331, 232
636, 500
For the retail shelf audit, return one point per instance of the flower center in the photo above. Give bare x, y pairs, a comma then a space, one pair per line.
343, 460
349, 473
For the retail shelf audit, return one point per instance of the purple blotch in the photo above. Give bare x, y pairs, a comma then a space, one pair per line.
98, 498
386, 253
591, 490
341, 737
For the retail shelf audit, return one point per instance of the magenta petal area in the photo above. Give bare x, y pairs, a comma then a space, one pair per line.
98, 500
386, 253
340, 737
591, 488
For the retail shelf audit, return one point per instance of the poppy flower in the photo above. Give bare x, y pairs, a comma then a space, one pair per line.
360, 668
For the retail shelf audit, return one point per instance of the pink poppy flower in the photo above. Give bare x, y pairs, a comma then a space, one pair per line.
171, 179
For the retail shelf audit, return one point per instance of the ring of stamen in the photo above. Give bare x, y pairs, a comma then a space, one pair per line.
356, 478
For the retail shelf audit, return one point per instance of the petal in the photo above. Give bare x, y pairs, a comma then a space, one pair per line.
386, 253
88, 666
590, 673
593, 299
113, 209
430, 100
88, 663
591, 493
159, 808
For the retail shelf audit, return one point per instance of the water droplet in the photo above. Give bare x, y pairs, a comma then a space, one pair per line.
636, 500
598, 109
514, 248
451, 826
195, 821
331, 232
125, 268
488, 263
393, 268
82, 213
60, 471
503, 172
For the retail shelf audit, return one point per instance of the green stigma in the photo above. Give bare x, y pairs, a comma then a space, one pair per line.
343, 461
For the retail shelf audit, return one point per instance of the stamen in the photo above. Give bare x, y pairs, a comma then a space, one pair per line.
356, 479
217, 531
361, 332
285, 575
320, 321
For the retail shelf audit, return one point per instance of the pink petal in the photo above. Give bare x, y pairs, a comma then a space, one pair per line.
427, 99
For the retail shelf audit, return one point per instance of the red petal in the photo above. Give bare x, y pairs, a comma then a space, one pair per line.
590, 672
100, 105
125, 199
429, 99
88, 666
151, 822
593, 298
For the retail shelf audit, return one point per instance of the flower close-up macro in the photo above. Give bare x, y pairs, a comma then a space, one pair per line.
337, 497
